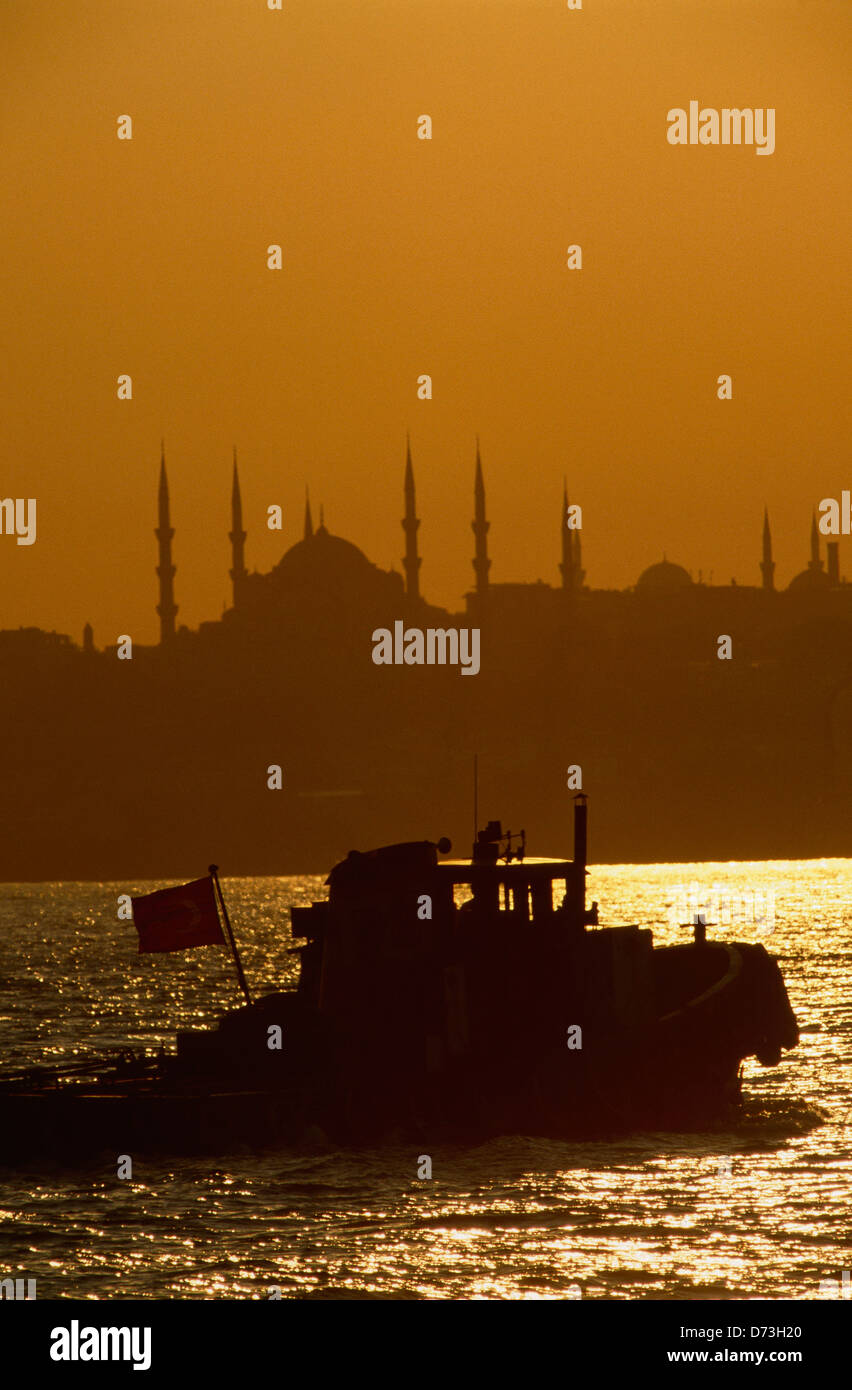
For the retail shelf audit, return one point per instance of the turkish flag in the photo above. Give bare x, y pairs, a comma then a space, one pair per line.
174, 918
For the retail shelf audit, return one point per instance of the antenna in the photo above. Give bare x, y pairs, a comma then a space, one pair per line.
475, 796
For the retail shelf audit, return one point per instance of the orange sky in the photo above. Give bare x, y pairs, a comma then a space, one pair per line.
403, 257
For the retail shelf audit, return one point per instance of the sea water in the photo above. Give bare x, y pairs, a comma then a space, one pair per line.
758, 1208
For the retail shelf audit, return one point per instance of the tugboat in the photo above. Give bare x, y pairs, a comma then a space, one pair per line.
448, 999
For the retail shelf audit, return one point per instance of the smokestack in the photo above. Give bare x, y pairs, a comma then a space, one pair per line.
833, 562
580, 828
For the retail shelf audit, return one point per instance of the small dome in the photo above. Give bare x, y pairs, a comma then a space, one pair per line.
663, 578
809, 579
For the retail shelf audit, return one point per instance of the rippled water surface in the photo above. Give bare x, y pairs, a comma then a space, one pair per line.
759, 1209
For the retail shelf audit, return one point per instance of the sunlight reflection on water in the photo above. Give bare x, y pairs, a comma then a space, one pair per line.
757, 1209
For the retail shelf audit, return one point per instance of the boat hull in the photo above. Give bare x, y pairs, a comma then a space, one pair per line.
594, 1073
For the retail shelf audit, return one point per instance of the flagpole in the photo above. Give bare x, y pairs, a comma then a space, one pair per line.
214, 874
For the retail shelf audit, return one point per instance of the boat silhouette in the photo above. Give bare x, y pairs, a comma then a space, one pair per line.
439, 999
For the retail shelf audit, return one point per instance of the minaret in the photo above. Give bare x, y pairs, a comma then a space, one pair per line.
167, 607
815, 563
410, 525
579, 572
480, 528
832, 551
237, 536
767, 564
309, 525
571, 568
567, 567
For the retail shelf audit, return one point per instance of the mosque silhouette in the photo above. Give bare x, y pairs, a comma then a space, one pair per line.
153, 766
323, 569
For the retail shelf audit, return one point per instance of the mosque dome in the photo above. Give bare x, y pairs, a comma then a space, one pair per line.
322, 555
663, 577
810, 580
323, 573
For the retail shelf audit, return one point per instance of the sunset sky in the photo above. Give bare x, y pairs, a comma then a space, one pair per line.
404, 257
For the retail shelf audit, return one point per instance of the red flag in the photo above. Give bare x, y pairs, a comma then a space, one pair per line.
174, 918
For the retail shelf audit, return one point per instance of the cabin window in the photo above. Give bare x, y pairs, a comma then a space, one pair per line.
559, 888
541, 900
